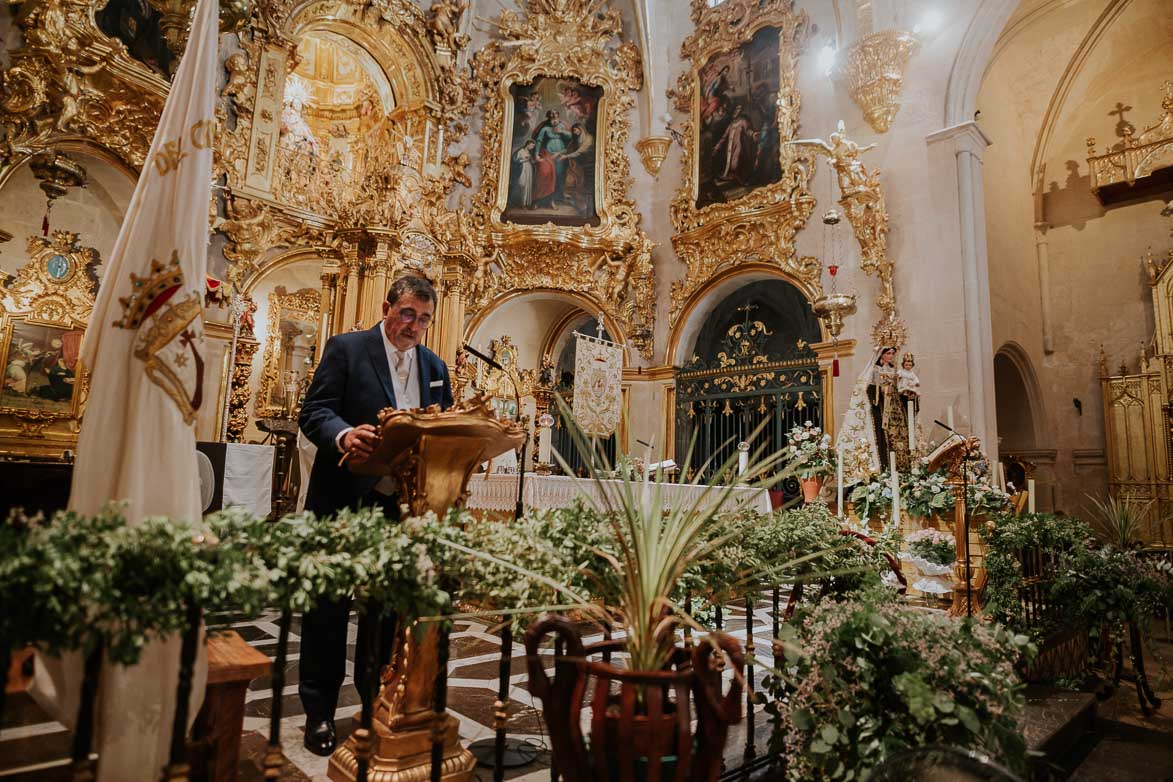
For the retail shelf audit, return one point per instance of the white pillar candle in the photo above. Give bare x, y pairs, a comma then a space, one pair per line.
911, 430
1030, 496
895, 489
742, 463
949, 416
839, 480
1001, 476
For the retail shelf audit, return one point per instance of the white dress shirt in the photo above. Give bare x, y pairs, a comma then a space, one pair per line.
407, 390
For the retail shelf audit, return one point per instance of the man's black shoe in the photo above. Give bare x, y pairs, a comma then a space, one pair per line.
319, 737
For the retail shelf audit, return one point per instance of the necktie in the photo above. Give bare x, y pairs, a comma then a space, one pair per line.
402, 365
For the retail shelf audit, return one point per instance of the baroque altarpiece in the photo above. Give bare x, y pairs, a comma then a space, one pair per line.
341, 132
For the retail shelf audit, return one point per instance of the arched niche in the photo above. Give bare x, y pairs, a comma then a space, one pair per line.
700, 307
94, 212
293, 273
542, 310
1018, 399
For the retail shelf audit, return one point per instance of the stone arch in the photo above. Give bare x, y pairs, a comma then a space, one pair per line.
701, 304
581, 301
1019, 399
1071, 73
973, 57
289, 257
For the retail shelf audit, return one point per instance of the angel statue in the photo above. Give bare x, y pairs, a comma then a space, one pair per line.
444, 23
876, 416
843, 154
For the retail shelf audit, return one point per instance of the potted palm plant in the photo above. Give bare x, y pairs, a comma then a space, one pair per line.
642, 714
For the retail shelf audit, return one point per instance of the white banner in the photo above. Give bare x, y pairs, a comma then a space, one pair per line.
598, 385
145, 350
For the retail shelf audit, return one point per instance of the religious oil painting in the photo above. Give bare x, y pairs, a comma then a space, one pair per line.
40, 368
737, 144
553, 153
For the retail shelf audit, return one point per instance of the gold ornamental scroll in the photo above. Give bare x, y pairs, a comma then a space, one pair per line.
432, 454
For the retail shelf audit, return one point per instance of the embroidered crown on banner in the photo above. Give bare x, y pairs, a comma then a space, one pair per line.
149, 293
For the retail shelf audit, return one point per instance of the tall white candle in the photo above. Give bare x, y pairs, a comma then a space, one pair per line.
742, 463
895, 489
1030, 496
949, 416
1001, 476
839, 481
911, 429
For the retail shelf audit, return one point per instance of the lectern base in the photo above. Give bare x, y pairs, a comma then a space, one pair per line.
405, 756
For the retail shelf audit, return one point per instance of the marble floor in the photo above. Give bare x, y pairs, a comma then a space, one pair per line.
32, 745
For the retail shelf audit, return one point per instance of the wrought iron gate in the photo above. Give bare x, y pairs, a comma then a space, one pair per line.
721, 402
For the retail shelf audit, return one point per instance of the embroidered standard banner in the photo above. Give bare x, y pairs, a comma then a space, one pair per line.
598, 380
145, 350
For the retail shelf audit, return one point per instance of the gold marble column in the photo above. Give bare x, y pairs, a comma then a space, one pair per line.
445, 336
325, 322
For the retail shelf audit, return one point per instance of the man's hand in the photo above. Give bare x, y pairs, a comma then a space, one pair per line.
359, 442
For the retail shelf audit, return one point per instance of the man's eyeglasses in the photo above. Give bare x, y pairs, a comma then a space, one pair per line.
408, 316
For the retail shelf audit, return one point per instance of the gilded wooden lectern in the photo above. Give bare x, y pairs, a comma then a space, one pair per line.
432, 454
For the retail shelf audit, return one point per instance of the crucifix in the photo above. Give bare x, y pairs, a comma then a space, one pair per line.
747, 308
1123, 126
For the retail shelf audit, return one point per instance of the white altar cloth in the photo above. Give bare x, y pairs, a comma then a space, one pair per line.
541, 492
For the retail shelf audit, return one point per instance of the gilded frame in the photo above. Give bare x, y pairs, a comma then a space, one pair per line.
54, 291
609, 263
760, 226
304, 305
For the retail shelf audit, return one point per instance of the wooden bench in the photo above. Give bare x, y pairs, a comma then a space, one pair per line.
232, 665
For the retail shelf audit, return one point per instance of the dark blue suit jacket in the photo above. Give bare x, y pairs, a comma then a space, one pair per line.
351, 385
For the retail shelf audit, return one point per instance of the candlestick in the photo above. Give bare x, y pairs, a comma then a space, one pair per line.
839, 480
1030, 496
895, 490
911, 431
949, 416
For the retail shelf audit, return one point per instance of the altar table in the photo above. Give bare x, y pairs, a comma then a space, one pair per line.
541, 492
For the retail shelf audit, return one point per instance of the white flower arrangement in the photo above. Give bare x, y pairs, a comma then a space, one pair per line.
810, 451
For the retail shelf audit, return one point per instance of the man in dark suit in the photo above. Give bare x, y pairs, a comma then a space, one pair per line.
360, 374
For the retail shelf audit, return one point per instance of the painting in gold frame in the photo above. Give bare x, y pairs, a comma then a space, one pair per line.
737, 132
44, 311
750, 212
40, 367
552, 152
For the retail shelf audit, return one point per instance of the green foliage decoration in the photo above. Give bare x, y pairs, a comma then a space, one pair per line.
869, 677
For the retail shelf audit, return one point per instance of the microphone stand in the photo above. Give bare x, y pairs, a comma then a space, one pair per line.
519, 507
965, 514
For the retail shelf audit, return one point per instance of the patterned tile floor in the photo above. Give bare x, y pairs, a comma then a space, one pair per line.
31, 743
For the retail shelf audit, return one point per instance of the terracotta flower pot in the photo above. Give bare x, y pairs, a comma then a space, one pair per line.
640, 726
811, 488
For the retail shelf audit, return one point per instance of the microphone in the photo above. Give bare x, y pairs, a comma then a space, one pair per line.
944, 426
483, 357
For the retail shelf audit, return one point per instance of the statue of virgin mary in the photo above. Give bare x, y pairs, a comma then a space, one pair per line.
875, 423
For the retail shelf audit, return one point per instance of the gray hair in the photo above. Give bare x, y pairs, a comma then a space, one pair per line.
415, 286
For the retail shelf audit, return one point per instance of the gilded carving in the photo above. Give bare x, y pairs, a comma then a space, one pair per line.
44, 311
1135, 157
872, 70
238, 396
608, 258
760, 225
70, 80
862, 199
298, 308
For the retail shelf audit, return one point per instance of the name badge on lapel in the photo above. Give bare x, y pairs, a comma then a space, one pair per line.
436, 384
